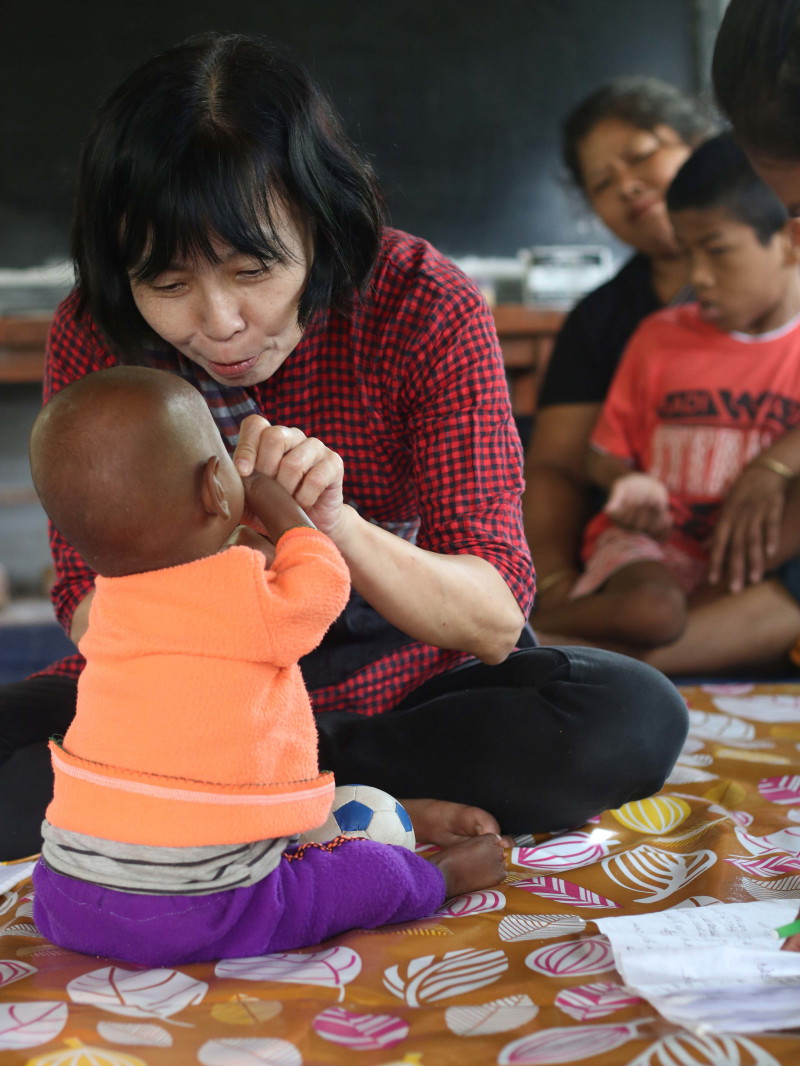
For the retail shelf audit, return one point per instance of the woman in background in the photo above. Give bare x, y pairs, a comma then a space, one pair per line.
622, 146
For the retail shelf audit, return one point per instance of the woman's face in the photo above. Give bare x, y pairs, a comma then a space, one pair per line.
236, 318
626, 172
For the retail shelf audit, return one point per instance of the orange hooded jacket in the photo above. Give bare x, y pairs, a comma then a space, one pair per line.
193, 723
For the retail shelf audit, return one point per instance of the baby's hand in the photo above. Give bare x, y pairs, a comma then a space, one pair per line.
640, 502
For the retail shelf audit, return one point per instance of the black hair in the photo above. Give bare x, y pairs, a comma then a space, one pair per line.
718, 175
642, 101
756, 75
215, 138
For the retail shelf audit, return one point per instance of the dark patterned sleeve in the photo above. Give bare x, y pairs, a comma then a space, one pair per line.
466, 449
74, 349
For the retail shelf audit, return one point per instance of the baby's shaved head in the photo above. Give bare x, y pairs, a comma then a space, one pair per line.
117, 459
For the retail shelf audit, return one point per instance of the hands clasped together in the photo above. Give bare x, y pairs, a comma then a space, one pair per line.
746, 536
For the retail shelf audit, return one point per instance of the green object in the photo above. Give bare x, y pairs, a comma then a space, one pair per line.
788, 930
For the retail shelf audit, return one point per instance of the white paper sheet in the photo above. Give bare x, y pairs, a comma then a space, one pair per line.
714, 968
12, 873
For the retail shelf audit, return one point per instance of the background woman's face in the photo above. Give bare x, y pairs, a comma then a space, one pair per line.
236, 318
626, 172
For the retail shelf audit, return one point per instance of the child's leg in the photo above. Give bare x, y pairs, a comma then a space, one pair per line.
742, 634
641, 605
315, 893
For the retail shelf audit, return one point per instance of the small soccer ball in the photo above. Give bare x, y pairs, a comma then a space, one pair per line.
364, 811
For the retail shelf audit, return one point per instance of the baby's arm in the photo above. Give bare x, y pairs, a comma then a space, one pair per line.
636, 501
271, 505
308, 582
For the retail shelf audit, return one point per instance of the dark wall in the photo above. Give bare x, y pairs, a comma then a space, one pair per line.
458, 102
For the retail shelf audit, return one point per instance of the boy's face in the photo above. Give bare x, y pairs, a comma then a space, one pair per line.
741, 284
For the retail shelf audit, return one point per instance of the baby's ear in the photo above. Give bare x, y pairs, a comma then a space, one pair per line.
212, 491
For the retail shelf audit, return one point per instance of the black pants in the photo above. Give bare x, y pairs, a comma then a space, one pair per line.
544, 741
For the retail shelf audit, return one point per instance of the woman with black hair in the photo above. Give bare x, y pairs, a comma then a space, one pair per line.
226, 230
621, 146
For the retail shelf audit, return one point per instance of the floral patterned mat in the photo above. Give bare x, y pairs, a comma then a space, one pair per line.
515, 975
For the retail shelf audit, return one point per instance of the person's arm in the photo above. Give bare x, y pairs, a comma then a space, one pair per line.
451, 601
272, 506
746, 541
74, 349
557, 502
555, 506
467, 581
458, 602
636, 501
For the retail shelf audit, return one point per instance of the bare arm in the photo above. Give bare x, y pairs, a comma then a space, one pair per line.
555, 506
451, 601
754, 531
459, 601
636, 501
274, 507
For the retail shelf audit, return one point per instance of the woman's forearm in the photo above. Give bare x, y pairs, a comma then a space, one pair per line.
451, 601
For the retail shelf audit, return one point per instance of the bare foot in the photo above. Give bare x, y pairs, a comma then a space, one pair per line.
472, 864
444, 823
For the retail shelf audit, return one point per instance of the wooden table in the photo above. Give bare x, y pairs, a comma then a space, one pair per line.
22, 343
526, 337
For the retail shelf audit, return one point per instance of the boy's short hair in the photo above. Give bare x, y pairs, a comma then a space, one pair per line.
215, 138
718, 175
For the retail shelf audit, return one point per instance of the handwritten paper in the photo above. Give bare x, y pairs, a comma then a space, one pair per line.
716, 968
13, 873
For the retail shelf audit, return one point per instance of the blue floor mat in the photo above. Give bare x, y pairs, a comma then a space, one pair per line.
24, 649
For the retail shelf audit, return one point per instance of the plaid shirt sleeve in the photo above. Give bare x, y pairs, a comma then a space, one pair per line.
74, 349
467, 452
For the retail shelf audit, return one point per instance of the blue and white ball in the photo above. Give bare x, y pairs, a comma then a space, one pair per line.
364, 811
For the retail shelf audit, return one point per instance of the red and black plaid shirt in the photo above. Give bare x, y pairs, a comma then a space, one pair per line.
410, 391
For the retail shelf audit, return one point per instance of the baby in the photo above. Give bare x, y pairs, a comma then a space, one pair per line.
191, 765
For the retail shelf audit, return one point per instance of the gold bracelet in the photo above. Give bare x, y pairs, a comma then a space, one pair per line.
775, 465
549, 582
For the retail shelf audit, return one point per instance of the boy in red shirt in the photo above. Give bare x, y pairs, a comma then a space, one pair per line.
701, 391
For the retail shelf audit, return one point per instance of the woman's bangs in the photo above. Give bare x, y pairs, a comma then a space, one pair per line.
201, 211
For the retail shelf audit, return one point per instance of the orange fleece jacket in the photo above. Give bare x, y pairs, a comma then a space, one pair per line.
193, 723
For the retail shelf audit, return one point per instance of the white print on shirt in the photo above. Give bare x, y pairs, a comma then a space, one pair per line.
703, 461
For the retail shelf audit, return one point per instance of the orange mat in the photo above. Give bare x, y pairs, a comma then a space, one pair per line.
515, 975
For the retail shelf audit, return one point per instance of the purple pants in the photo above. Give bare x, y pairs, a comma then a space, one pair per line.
359, 884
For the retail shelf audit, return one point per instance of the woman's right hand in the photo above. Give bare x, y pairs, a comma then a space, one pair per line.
310, 471
640, 502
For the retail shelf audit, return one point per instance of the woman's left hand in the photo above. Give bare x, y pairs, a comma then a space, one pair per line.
746, 534
304, 466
